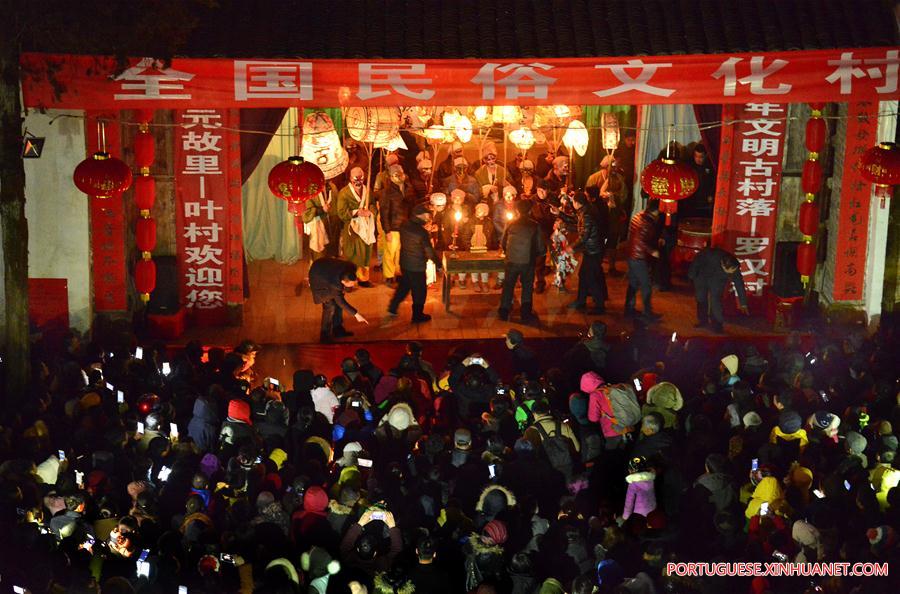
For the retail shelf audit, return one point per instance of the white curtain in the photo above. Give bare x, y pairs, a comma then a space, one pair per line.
269, 229
655, 121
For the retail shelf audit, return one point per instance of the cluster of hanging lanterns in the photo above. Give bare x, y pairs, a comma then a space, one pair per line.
810, 184
145, 197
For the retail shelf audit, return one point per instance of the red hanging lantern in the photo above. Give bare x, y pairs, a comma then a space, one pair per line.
296, 180
102, 176
296, 208
668, 181
806, 260
145, 235
145, 278
809, 218
811, 179
880, 165
145, 193
816, 129
144, 151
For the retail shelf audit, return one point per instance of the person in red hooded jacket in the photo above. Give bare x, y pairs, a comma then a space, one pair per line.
310, 526
237, 429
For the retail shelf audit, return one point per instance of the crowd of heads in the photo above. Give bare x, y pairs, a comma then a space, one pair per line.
545, 470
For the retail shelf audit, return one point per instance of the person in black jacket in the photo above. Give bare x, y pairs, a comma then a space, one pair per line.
328, 278
591, 243
415, 251
711, 270
523, 243
394, 204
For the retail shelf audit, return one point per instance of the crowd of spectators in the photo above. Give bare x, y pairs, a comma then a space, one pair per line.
145, 470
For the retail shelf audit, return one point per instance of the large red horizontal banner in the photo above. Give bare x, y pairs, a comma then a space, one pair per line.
79, 82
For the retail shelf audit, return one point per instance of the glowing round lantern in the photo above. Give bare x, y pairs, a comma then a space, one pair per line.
322, 146
523, 138
669, 181
296, 180
483, 116
576, 137
102, 176
372, 124
507, 114
463, 129
880, 165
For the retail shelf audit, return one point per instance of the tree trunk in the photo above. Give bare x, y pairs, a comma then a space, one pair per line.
14, 226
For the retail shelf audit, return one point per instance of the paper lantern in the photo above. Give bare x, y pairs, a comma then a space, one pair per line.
144, 151
145, 234
322, 146
806, 260
296, 180
816, 129
483, 116
610, 130
507, 114
809, 218
144, 193
145, 278
669, 181
450, 117
811, 178
439, 134
463, 129
523, 138
102, 176
372, 124
576, 137
562, 111
880, 165
394, 143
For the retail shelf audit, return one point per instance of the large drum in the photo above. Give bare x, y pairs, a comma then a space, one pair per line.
372, 124
693, 236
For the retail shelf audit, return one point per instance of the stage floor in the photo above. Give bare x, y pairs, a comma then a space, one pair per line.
275, 314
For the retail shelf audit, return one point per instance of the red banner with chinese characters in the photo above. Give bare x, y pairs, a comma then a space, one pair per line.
79, 82
108, 270
206, 233
855, 195
744, 217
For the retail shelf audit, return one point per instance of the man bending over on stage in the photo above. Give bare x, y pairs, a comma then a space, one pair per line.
711, 270
328, 278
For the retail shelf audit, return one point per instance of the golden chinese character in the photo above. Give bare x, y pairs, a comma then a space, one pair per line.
660, 186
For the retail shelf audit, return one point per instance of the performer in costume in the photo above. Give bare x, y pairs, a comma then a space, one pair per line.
358, 236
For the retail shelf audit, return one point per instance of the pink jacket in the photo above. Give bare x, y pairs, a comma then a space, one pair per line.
641, 496
599, 408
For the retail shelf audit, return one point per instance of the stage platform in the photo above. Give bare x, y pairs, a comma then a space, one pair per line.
288, 323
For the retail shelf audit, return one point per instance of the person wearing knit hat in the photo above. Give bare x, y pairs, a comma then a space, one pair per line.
399, 418
279, 457
496, 531
445, 169
855, 445
665, 399
557, 179
48, 470
881, 540
824, 425
752, 419
789, 428
729, 367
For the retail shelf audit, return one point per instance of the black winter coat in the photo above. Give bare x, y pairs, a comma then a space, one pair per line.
415, 246
325, 281
394, 206
592, 227
523, 241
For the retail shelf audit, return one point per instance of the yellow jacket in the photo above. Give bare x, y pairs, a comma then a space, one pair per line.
768, 490
800, 434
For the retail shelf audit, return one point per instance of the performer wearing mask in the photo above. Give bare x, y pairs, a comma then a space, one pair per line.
358, 235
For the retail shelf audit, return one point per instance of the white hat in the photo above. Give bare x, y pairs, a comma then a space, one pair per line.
489, 148
424, 164
438, 199
527, 164
509, 190
482, 209
460, 161
458, 194
731, 363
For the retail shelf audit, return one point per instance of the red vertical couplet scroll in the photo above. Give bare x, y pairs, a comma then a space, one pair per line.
235, 290
108, 270
203, 211
744, 217
853, 224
